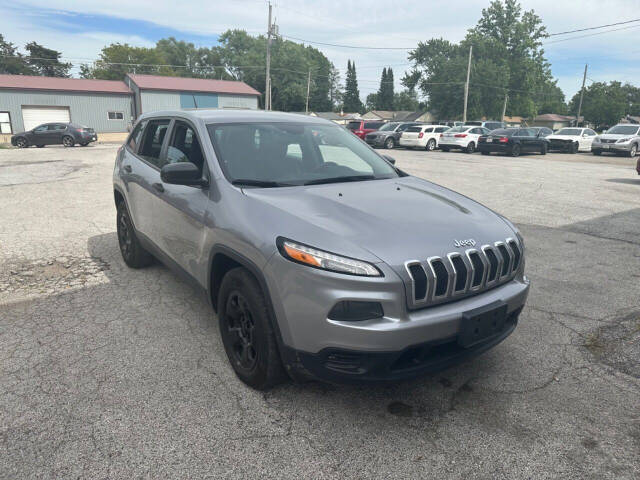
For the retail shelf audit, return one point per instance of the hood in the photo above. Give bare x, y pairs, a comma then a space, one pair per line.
562, 137
392, 220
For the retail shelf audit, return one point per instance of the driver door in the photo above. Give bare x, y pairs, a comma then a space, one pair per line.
42, 135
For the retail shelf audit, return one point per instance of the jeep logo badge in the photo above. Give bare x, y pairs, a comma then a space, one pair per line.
470, 242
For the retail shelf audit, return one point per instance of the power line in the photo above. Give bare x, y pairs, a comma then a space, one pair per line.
346, 46
591, 34
594, 28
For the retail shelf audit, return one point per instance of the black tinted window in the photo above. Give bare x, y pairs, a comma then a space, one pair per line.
414, 129
506, 132
184, 146
374, 125
134, 138
41, 128
441, 129
152, 140
353, 125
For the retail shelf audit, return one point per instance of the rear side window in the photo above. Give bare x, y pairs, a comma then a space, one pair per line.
353, 125
136, 135
441, 129
184, 146
414, 129
503, 131
428, 130
153, 138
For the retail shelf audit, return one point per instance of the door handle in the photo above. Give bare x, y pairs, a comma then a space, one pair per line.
158, 187
127, 168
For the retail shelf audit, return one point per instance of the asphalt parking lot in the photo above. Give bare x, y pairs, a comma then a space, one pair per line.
106, 372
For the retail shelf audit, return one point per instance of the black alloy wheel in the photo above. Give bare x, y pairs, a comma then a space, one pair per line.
67, 141
133, 254
240, 326
515, 150
471, 147
22, 143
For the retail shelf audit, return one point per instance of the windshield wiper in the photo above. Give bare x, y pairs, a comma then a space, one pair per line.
349, 178
249, 182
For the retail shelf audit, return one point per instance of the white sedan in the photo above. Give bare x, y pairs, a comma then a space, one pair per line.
572, 140
464, 138
422, 136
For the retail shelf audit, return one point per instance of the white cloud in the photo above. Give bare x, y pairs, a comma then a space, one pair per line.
377, 23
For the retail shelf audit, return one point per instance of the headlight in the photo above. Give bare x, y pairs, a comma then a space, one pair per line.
624, 140
312, 257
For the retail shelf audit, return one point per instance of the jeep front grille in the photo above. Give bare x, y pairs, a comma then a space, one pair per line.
457, 274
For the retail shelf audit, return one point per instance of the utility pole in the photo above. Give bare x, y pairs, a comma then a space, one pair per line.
267, 89
466, 87
584, 79
308, 86
504, 107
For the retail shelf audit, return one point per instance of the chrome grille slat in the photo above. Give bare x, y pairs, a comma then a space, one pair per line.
507, 256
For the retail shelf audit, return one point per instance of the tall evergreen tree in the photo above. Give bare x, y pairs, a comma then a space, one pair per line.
46, 62
352, 101
384, 98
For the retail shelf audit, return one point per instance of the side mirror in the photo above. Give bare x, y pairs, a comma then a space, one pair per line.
584, 135
183, 173
389, 159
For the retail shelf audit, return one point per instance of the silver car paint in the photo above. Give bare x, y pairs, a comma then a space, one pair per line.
386, 222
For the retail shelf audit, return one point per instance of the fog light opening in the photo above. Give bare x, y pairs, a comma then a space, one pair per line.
356, 311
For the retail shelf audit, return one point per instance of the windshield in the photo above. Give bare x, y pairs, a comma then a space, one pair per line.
623, 130
286, 154
569, 131
389, 126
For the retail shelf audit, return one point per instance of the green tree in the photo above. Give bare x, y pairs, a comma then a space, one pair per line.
385, 92
632, 97
118, 59
352, 102
603, 104
198, 62
46, 62
12, 62
507, 57
406, 100
371, 102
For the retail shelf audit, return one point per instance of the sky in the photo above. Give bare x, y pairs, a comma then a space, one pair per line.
80, 28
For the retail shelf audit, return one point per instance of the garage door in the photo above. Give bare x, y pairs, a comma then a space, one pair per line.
34, 116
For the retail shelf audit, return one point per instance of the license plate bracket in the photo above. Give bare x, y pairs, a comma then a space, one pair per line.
482, 323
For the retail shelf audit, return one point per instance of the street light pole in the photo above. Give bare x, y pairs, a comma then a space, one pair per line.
584, 79
466, 86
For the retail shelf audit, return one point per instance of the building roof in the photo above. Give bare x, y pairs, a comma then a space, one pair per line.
28, 82
329, 115
554, 117
184, 84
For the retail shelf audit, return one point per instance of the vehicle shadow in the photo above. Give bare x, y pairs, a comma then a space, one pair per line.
627, 181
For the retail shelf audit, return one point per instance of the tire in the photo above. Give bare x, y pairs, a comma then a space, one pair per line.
543, 149
471, 147
22, 142
444, 149
84, 144
596, 152
484, 152
633, 151
389, 143
573, 148
68, 141
515, 150
246, 331
40, 146
133, 254
431, 145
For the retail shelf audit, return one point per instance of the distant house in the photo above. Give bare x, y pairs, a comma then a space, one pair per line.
514, 121
554, 121
333, 116
399, 116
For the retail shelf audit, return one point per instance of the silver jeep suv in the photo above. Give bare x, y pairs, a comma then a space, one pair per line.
320, 257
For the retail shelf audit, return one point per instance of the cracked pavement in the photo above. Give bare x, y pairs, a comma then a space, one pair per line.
107, 372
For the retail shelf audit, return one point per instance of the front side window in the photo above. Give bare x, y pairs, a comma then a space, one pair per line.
57, 127
589, 132
285, 154
136, 135
153, 138
41, 128
184, 146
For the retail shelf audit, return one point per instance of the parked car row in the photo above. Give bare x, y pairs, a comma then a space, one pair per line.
492, 136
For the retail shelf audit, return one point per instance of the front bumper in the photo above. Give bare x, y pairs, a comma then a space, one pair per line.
375, 141
557, 145
611, 147
302, 298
